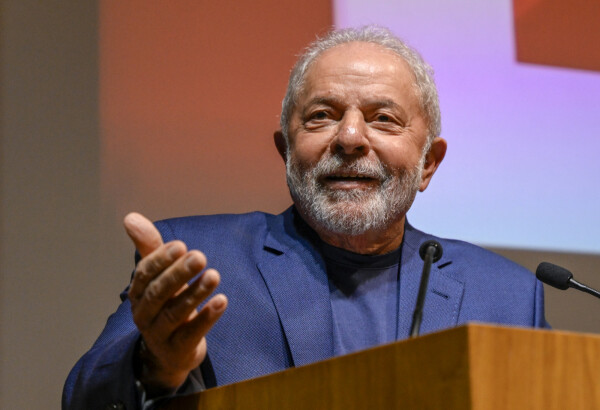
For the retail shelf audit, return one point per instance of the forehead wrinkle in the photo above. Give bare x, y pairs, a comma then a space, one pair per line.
362, 73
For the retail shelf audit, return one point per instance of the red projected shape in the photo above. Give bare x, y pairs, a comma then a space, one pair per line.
563, 33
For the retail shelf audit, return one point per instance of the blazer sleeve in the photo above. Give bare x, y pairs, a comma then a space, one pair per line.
539, 315
104, 376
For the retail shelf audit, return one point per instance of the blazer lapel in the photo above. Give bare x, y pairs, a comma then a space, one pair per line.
295, 274
444, 293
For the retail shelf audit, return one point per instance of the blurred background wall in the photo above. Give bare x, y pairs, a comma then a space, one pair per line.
169, 109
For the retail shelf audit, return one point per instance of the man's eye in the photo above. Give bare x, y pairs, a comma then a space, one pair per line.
383, 118
319, 115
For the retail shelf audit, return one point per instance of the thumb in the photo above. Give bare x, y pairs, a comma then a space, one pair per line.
142, 232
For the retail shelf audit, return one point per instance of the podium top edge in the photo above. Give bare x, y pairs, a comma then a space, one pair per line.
482, 326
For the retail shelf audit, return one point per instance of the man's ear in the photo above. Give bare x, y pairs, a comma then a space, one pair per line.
433, 159
281, 144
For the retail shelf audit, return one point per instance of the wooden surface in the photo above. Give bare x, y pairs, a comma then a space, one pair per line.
528, 369
470, 367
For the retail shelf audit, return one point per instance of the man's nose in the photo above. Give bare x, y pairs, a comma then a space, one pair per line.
351, 137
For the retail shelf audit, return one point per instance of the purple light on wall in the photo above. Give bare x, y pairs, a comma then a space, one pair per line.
521, 168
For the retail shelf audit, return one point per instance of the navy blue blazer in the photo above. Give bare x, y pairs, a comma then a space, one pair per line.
279, 312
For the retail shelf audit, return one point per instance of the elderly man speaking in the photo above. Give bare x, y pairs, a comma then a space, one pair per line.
337, 272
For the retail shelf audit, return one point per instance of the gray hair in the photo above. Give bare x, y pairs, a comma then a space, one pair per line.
424, 83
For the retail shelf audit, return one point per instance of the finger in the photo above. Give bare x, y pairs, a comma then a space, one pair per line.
183, 307
143, 233
166, 286
153, 265
191, 334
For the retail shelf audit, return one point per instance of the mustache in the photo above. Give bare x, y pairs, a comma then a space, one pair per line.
335, 165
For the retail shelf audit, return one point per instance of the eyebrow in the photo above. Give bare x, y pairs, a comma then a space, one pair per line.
333, 101
385, 103
372, 104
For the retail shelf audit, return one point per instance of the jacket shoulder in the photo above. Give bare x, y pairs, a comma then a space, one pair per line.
223, 224
472, 258
223, 235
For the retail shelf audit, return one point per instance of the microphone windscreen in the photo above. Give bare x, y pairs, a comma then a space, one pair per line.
438, 250
553, 275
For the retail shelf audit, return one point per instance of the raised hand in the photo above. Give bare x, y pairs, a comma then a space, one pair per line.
164, 306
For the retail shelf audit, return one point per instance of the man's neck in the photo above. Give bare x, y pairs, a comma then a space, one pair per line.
369, 243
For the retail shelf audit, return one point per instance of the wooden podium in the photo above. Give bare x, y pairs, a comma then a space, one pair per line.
469, 367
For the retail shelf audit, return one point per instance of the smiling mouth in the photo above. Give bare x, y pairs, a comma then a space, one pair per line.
349, 181
348, 178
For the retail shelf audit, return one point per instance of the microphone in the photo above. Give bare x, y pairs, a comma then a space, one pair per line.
430, 251
561, 278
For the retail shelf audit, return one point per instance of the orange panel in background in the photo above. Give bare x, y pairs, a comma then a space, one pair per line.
563, 33
190, 94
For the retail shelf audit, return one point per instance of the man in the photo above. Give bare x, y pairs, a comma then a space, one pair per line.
337, 272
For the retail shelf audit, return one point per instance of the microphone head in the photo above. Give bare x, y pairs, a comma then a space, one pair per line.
553, 275
438, 250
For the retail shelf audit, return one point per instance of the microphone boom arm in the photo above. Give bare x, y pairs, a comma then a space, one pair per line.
430, 251
580, 286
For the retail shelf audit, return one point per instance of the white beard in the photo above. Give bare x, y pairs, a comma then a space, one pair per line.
352, 212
